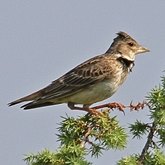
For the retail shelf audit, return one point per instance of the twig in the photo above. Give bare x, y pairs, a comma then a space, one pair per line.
148, 143
86, 137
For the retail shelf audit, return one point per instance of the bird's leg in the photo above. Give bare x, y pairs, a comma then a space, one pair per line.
111, 106
84, 108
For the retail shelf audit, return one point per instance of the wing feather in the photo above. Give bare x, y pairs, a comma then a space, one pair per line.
86, 74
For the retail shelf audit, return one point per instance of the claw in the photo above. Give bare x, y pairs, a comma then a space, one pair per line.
113, 105
119, 106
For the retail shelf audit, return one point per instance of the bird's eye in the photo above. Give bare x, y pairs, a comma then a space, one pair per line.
131, 44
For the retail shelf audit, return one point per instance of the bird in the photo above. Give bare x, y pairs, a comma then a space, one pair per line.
92, 81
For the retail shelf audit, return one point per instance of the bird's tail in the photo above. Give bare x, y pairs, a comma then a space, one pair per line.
37, 104
30, 97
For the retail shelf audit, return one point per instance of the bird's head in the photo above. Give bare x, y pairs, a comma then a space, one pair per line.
126, 46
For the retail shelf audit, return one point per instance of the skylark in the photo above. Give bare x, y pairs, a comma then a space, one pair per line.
92, 81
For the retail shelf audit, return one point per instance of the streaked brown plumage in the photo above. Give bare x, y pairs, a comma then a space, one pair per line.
92, 81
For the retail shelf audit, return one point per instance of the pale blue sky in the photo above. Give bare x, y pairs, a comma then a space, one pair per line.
41, 40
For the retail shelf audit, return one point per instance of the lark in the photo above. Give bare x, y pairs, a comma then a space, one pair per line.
92, 81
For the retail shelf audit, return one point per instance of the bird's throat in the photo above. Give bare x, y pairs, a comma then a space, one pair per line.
126, 63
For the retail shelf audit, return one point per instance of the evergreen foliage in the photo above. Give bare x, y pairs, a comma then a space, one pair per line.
92, 134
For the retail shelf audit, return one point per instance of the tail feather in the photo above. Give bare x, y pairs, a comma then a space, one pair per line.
30, 97
15, 102
34, 104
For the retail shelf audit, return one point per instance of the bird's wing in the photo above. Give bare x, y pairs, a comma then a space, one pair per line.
86, 74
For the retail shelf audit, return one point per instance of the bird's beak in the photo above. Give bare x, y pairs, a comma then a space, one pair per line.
142, 50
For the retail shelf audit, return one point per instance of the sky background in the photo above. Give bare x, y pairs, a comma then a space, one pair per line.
41, 40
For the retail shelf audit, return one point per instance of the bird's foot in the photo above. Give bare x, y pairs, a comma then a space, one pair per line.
92, 111
89, 110
113, 105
